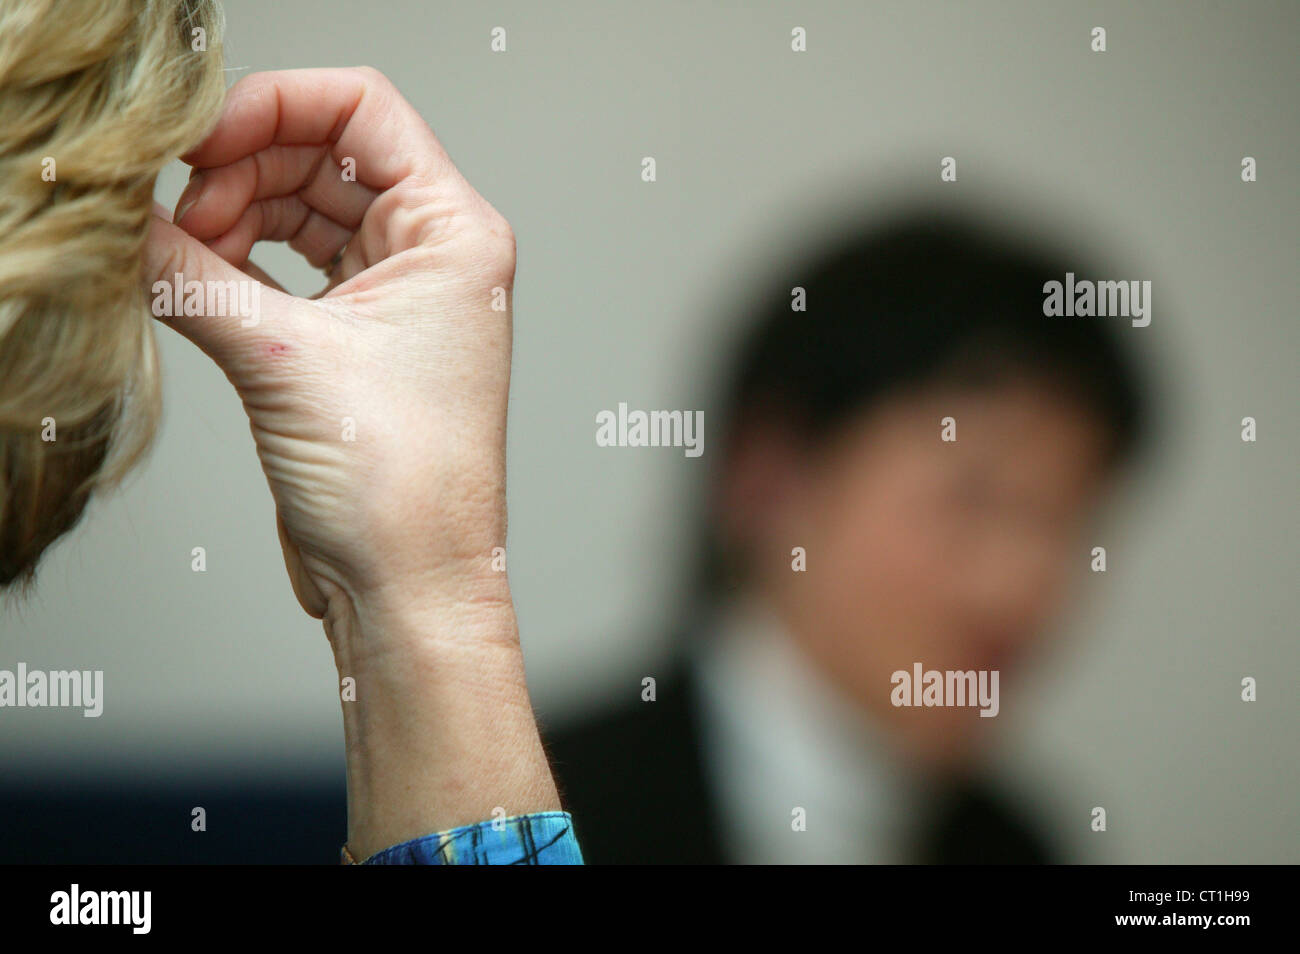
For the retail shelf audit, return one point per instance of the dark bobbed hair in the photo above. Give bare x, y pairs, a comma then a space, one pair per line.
923, 297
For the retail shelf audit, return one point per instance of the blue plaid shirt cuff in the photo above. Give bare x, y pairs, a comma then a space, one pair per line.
543, 838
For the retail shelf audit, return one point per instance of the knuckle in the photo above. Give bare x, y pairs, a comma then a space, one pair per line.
174, 260
486, 249
372, 76
252, 81
504, 235
498, 247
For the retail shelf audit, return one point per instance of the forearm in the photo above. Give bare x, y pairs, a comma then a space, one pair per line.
441, 732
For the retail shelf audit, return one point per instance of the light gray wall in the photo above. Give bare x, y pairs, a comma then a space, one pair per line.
619, 290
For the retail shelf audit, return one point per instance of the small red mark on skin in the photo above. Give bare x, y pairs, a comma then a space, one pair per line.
276, 348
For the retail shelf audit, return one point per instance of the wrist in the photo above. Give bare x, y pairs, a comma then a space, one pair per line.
439, 730
444, 611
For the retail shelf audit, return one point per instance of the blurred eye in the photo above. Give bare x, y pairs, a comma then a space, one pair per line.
979, 496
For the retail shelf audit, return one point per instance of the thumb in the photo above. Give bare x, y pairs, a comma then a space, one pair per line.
226, 312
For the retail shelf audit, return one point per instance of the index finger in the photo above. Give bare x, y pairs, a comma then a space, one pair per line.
358, 112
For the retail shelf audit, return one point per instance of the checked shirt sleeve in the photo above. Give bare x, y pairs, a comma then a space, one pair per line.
542, 838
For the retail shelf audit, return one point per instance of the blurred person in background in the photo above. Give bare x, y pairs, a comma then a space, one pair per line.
852, 531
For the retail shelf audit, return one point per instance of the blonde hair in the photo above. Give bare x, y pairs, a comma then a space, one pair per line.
96, 96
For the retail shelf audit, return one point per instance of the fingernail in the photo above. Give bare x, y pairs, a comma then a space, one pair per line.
189, 196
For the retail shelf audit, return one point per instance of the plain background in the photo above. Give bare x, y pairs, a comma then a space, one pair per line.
622, 291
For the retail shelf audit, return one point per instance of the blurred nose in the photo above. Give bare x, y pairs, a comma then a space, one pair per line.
1013, 585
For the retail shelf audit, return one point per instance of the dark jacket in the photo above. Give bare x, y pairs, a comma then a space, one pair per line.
634, 780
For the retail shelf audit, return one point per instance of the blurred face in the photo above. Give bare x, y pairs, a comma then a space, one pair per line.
953, 555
